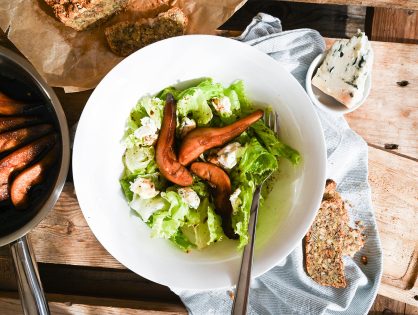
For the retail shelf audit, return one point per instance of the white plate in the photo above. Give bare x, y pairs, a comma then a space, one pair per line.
324, 101
97, 164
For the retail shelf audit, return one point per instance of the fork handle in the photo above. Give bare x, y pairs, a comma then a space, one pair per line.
243, 285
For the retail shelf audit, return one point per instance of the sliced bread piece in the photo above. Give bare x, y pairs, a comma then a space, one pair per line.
324, 241
125, 38
329, 239
83, 14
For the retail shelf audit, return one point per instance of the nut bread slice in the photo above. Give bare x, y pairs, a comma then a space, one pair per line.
83, 14
125, 38
329, 239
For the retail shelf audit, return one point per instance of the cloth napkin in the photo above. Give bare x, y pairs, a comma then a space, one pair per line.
286, 289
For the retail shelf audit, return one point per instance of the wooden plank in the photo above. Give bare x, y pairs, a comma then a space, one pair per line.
66, 305
331, 20
7, 273
394, 194
396, 4
69, 232
103, 282
384, 305
64, 234
390, 114
411, 310
118, 285
397, 294
394, 25
73, 103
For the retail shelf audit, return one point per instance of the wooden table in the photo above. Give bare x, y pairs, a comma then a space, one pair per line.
80, 277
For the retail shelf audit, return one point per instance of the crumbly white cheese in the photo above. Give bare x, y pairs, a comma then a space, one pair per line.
228, 156
190, 197
343, 73
144, 188
187, 124
222, 105
148, 132
235, 200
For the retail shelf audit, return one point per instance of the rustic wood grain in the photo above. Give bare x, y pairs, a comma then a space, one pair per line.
390, 113
7, 274
103, 282
389, 116
66, 305
395, 293
384, 305
396, 4
394, 25
64, 234
119, 286
331, 20
395, 194
411, 310
73, 103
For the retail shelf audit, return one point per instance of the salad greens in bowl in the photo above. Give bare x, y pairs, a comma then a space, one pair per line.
164, 164
188, 216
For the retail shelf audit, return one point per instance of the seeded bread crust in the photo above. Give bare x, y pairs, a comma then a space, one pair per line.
84, 14
329, 239
125, 38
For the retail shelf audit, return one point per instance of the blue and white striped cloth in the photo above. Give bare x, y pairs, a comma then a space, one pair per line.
286, 289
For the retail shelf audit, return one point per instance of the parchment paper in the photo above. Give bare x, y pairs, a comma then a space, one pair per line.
79, 60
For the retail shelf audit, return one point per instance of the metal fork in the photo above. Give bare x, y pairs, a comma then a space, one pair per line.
243, 285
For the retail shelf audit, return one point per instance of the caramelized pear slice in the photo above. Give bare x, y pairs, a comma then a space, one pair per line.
20, 159
15, 122
9, 106
164, 152
34, 175
12, 139
219, 181
199, 140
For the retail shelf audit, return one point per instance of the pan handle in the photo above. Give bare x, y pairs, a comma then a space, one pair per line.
30, 288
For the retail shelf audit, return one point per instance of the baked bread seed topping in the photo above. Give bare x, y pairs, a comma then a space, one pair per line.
83, 14
125, 38
329, 239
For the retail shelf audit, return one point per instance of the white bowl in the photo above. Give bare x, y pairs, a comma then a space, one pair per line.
326, 102
97, 166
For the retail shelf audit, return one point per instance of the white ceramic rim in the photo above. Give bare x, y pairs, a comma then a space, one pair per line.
320, 169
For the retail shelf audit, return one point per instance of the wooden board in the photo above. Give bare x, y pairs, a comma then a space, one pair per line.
66, 305
384, 305
394, 195
64, 237
64, 234
394, 25
332, 20
390, 114
396, 4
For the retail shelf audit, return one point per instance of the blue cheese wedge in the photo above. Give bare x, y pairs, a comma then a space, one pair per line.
344, 71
